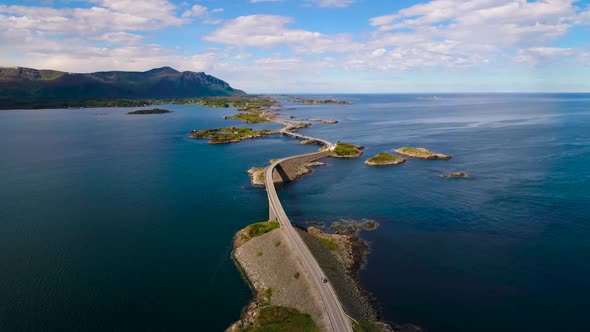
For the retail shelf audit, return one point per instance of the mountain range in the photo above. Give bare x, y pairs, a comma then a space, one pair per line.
19, 85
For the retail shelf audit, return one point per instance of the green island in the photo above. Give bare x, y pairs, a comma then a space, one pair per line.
277, 318
150, 111
421, 153
319, 101
248, 118
346, 150
229, 134
384, 158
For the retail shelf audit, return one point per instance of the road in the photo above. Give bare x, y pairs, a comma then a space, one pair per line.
336, 315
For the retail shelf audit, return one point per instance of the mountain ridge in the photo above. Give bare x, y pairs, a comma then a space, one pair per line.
21, 84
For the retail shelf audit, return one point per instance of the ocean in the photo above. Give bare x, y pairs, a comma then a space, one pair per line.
116, 222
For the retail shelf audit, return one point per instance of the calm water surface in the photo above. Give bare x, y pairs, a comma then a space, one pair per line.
117, 222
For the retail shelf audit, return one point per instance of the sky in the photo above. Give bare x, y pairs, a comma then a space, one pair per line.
313, 46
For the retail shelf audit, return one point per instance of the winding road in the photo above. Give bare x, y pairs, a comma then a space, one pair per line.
336, 315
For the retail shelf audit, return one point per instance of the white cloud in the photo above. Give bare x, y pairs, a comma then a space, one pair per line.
544, 55
110, 15
121, 38
451, 33
268, 31
202, 12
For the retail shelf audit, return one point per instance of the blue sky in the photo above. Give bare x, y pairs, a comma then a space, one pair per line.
314, 46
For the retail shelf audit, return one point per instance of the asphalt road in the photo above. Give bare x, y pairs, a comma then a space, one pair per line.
338, 318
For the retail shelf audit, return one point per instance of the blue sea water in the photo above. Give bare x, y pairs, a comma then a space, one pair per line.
116, 222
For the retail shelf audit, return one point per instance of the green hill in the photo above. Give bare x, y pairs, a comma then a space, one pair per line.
22, 86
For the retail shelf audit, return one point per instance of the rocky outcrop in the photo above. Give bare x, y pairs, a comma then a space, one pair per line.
421, 153
257, 176
455, 175
385, 159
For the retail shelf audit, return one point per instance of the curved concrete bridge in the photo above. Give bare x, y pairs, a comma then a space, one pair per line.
339, 320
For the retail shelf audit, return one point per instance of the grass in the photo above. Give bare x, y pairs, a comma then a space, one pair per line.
384, 157
421, 153
277, 243
259, 172
257, 229
329, 244
260, 228
282, 319
244, 103
248, 118
412, 150
259, 253
345, 149
296, 275
267, 293
366, 326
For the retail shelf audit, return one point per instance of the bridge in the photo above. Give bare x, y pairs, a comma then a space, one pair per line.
338, 318
287, 131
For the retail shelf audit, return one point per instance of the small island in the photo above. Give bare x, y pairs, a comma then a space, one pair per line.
345, 150
229, 134
247, 117
384, 159
421, 153
312, 101
151, 111
455, 175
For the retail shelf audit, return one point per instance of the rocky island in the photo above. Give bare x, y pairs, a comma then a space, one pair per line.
455, 175
384, 158
229, 134
421, 153
319, 101
152, 111
346, 150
